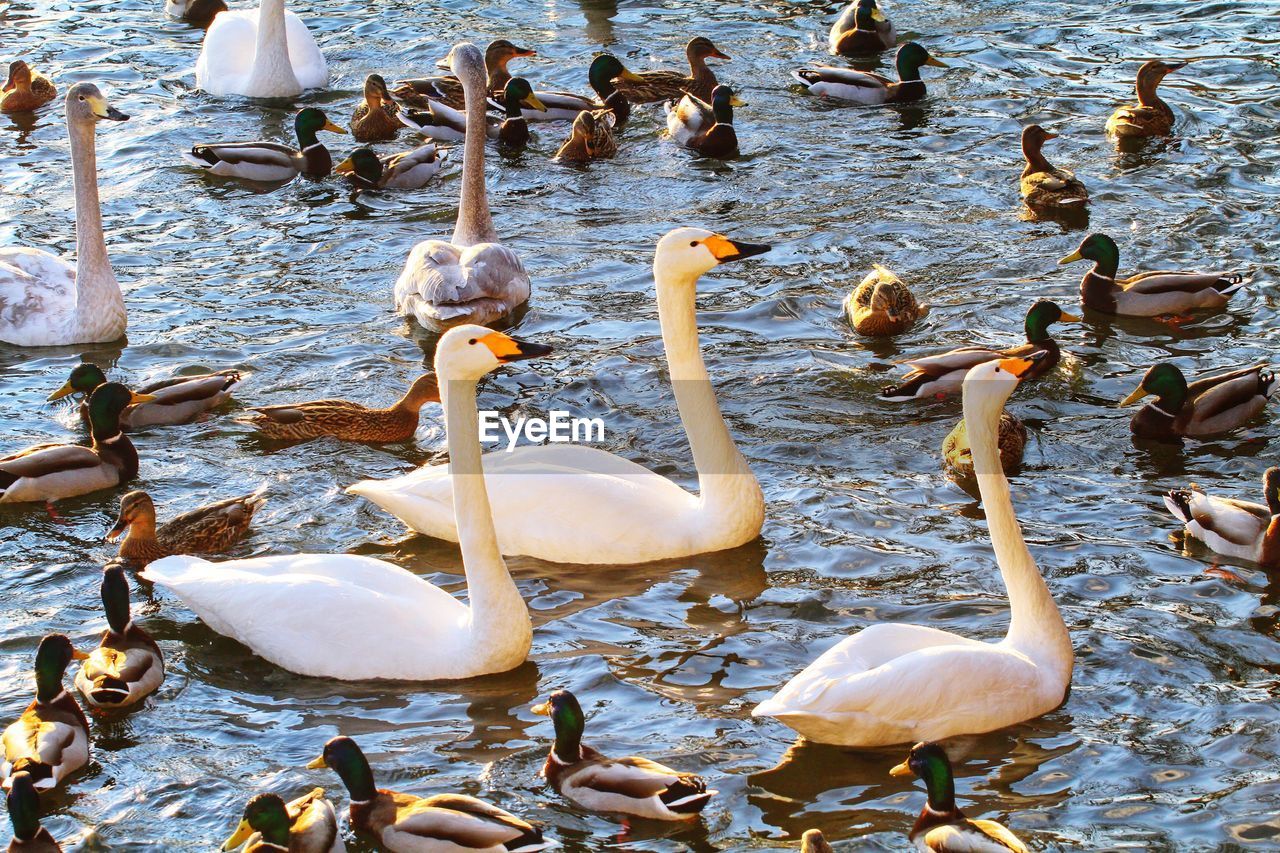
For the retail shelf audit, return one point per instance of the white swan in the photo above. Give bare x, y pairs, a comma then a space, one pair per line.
261, 53
44, 301
472, 278
575, 504
895, 683
349, 617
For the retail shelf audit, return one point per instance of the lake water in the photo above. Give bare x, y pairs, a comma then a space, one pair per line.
1169, 738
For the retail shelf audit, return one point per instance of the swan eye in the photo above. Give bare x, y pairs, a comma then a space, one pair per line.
694, 244
472, 342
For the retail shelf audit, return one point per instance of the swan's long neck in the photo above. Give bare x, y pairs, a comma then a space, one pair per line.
1035, 623
272, 70
497, 610
475, 224
726, 483
99, 302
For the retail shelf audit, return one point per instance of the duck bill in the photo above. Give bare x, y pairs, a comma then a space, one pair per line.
346, 167
542, 710
76, 654
533, 103
508, 349
900, 770
719, 54
121, 525
135, 398
239, 837
1138, 394
1070, 318
1018, 367
333, 128
727, 250
629, 76
65, 391
735, 101
1072, 258
317, 764
1048, 135
878, 16
525, 52
936, 63
1174, 66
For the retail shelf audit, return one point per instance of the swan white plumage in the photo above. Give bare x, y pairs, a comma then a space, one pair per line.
350, 617
44, 301
266, 52
895, 683
470, 278
570, 503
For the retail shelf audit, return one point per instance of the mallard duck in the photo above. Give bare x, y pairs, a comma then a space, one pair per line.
942, 827
266, 52
407, 170
50, 472
631, 785
448, 88
882, 305
306, 825
25, 90
861, 30
1044, 186
24, 813
375, 119
1146, 294
957, 455
647, 87
442, 122
408, 824
270, 161
198, 13
565, 106
942, 375
345, 420
60, 304
813, 841
1150, 116
867, 88
1240, 529
50, 740
1209, 406
470, 277
893, 682
705, 128
127, 665
590, 138
207, 530
175, 401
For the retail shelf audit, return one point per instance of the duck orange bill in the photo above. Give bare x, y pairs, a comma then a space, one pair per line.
542, 710
719, 54
507, 349
1137, 394
122, 524
727, 250
526, 51
135, 398
1069, 318
900, 770
1071, 258
317, 764
330, 126
239, 837
76, 654
1018, 367
346, 167
65, 391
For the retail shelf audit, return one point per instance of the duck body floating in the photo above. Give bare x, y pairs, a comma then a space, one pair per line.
1239, 529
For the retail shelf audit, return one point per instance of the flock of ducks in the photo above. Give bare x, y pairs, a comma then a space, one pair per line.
344, 616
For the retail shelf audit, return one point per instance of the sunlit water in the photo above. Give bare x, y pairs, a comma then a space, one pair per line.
1169, 738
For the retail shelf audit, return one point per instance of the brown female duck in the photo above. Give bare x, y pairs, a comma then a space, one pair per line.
375, 118
209, 529
345, 420
1150, 116
662, 85
1043, 185
25, 90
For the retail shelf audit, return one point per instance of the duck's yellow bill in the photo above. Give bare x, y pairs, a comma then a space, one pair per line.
239, 837
533, 103
76, 654
135, 398
735, 101
345, 167
328, 125
65, 391
878, 16
1138, 394
543, 710
1071, 258
317, 764
629, 76
1070, 318
900, 770
936, 63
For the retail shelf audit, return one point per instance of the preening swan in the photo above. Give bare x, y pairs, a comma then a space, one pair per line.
44, 301
261, 53
575, 504
895, 683
471, 278
350, 617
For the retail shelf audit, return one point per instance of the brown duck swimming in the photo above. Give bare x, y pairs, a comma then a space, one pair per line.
25, 90
1150, 116
345, 420
647, 87
207, 530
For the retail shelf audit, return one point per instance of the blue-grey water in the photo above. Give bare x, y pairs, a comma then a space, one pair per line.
1170, 737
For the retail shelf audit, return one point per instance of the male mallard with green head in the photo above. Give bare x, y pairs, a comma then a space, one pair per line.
306, 825
406, 170
861, 30
24, 813
127, 666
177, 400
1240, 529
867, 88
1147, 294
705, 128
631, 785
270, 161
50, 472
443, 123
50, 740
942, 827
1210, 406
404, 823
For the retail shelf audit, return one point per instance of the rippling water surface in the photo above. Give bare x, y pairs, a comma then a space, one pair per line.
1169, 738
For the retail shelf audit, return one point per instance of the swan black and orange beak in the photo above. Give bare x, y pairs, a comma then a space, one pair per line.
726, 250
508, 349
1020, 367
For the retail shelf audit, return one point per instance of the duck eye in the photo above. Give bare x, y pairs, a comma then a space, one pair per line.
82, 97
